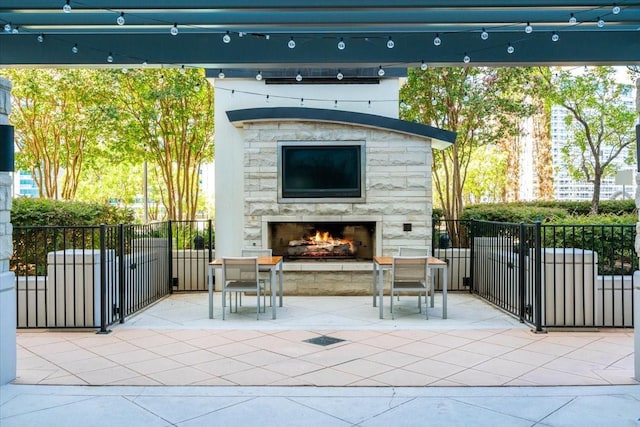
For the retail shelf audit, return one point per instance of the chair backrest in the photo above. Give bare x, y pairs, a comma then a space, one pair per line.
256, 252
243, 269
408, 251
410, 268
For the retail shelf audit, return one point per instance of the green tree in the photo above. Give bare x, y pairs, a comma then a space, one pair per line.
600, 124
482, 105
57, 121
166, 117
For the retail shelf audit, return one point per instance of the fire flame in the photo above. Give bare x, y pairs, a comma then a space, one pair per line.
324, 237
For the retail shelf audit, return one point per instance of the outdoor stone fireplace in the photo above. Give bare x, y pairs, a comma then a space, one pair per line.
370, 191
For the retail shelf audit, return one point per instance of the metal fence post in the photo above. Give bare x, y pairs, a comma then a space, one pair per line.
523, 248
103, 280
170, 255
472, 232
121, 275
538, 276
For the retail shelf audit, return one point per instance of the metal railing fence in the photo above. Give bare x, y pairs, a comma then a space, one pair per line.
95, 276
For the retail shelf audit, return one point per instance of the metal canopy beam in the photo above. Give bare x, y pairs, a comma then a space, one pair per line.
260, 30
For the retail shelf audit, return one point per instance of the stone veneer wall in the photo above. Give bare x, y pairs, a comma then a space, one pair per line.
7, 280
398, 191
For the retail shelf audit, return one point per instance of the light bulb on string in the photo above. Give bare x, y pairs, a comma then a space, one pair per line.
466, 59
339, 76
434, 101
510, 48
174, 30
572, 19
423, 66
291, 43
110, 58
484, 35
528, 28
381, 71
7, 28
67, 7
341, 44
390, 43
182, 69
437, 41
298, 77
40, 38
120, 19
15, 30
226, 38
616, 9
555, 37
600, 22
75, 49
302, 102
267, 99
259, 76
221, 74
369, 106
335, 104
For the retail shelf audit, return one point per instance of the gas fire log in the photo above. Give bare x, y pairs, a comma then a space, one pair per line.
315, 250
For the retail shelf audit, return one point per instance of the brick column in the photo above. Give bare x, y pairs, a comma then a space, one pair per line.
7, 280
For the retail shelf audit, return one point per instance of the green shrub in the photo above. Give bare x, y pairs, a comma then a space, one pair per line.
514, 213
40, 212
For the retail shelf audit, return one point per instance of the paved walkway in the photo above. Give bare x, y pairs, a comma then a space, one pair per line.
174, 343
172, 366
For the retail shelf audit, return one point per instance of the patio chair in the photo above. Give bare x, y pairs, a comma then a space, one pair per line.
240, 275
265, 277
411, 251
410, 273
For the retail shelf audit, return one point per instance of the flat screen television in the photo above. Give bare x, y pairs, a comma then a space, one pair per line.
322, 171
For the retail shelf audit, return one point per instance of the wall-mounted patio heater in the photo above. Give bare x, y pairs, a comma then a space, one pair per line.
6, 149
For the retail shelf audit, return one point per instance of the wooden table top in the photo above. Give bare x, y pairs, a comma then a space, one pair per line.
262, 260
388, 260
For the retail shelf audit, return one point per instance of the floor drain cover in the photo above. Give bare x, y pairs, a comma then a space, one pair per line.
323, 340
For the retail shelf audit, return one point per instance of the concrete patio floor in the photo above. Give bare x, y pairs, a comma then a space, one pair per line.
174, 343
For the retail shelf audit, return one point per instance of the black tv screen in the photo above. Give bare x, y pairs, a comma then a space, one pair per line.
321, 171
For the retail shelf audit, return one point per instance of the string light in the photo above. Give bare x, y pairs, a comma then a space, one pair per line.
110, 58
572, 19
341, 44
292, 43
74, 49
555, 37
226, 38
40, 38
174, 30
182, 69
120, 19
423, 66
259, 76
7, 28
528, 28
437, 41
298, 77
15, 30
339, 76
369, 106
67, 7
466, 58
302, 102
616, 9
510, 48
600, 22
221, 74
381, 71
335, 104
484, 35
267, 99
390, 43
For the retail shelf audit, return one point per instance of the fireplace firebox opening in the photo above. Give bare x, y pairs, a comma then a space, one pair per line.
322, 241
